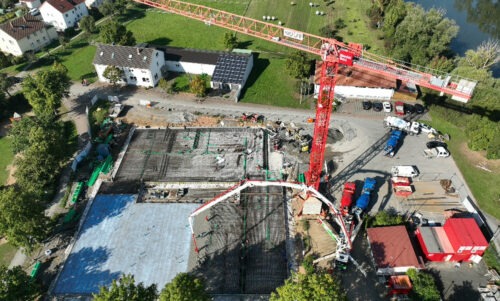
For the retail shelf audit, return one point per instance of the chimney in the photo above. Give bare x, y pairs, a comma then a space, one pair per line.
24, 19
138, 51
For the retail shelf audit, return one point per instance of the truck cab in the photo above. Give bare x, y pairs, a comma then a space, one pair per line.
346, 201
399, 108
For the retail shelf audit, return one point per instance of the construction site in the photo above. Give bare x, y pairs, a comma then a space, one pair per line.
163, 208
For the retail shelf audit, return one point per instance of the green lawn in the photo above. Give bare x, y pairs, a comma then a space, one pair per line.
484, 185
6, 157
7, 252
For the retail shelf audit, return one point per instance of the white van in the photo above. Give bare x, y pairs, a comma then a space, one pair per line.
404, 171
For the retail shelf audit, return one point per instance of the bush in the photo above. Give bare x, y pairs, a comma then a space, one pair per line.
308, 264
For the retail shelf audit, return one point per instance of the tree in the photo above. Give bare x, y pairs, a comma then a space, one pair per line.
63, 41
20, 134
106, 8
328, 31
230, 41
422, 35
21, 218
184, 287
385, 218
318, 286
486, 55
6, 83
198, 85
113, 74
298, 65
16, 285
114, 32
4, 60
87, 24
125, 288
46, 89
424, 286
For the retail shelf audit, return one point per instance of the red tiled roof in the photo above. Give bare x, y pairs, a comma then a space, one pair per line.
353, 77
22, 27
63, 5
391, 247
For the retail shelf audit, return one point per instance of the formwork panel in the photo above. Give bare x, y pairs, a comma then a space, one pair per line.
194, 154
242, 243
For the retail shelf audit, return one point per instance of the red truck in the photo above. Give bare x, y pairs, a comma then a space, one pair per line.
399, 108
346, 201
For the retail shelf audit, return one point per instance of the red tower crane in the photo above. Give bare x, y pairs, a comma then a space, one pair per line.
333, 53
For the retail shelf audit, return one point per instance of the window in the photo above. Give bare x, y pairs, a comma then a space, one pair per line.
145, 79
44, 38
38, 41
66, 15
133, 78
156, 76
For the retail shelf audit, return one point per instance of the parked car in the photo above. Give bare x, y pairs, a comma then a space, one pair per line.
409, 109
387, 106
34, 11
367, 105
399, 108
427, 129
419, 109
434, 144
377, 106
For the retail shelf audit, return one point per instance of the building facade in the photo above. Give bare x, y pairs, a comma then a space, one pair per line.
141, 66
63, 14
27, 33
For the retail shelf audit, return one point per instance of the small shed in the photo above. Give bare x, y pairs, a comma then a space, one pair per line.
399, 285
392, 250
460, 239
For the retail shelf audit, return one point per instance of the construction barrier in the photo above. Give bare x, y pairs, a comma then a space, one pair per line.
76, 193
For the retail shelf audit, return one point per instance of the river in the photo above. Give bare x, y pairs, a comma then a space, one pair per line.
479, 20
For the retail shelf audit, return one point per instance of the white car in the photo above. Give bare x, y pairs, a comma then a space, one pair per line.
34, 11
427, 129
387, 106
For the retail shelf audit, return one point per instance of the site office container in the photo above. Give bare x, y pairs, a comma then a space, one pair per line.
432, 256
465, 237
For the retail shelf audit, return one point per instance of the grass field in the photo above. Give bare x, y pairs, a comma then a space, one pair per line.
484, 185
7, 252
6, 157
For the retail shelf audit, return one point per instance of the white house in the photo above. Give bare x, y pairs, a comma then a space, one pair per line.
27, 33
31, 3
63, 14
141, 66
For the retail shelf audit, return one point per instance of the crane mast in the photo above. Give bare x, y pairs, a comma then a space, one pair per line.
332, 52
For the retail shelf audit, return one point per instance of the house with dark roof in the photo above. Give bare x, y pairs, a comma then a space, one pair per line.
27, 33
192, 61
392, 250
229, 70
63, 14
141, 66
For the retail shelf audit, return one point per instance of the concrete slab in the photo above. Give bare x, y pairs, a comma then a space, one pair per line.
119, 236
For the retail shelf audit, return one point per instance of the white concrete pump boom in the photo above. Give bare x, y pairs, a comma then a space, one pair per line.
343, 243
